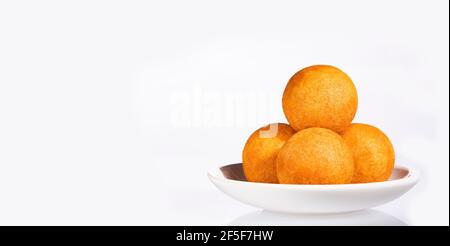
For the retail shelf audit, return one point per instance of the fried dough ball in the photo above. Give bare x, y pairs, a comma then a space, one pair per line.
260, 152
315, 156
373, 153
320, 96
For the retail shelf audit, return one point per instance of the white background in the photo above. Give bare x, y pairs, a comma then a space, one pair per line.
90, 92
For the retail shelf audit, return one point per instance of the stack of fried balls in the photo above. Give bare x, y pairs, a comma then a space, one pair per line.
320, 145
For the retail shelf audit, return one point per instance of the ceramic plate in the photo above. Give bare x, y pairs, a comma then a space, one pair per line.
312, 198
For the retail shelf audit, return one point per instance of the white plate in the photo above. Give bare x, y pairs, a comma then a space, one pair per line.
289, 198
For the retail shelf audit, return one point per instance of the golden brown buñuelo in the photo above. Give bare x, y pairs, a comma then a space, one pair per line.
315, 156
320, 96
261, 150
372, 151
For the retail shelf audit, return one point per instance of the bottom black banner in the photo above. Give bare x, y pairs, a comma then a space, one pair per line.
217, 234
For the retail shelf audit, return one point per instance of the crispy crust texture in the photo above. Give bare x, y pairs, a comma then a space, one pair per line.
320, 96
373, 153
261, 150
315, 156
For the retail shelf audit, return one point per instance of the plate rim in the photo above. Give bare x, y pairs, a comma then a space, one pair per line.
411, 178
